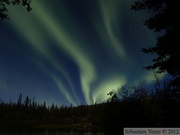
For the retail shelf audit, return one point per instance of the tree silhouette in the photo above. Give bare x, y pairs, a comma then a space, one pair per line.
19, 102
164, 19
4, 3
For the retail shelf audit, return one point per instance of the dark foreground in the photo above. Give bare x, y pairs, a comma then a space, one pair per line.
44, 128
137, 109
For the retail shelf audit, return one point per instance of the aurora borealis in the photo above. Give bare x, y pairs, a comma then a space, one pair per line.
72, 51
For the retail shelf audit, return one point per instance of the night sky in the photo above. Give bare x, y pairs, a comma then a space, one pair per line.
73, 51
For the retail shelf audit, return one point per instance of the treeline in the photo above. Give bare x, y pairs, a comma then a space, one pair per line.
30, 110
138, 107
129, 107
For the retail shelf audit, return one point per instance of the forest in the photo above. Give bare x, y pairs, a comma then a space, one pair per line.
129, 107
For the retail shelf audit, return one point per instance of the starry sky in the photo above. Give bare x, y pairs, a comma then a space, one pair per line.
73, 51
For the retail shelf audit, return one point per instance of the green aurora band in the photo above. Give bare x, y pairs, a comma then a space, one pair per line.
68, 38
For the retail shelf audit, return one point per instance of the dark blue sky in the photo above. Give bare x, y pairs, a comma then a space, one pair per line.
73, 51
